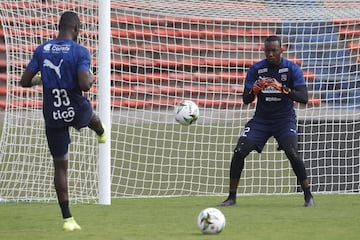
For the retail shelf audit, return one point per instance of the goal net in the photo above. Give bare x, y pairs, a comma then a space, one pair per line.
163, 51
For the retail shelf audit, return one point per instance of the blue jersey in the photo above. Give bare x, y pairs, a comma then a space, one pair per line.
59, 62
271, 104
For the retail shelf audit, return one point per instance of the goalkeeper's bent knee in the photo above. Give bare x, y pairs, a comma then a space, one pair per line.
243, 148
291, 150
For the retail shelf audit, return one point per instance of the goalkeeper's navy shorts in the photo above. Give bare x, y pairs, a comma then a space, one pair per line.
259, 131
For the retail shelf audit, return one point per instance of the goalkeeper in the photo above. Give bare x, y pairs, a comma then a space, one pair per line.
65, 73
276, 83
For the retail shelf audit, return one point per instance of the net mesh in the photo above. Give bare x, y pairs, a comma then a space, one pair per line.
166, 51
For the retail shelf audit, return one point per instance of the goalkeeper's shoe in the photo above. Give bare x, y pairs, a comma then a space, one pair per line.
102, 137
227, 202
70, 224
309, 202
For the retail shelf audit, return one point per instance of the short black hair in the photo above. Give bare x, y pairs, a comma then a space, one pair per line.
273, 38
69, 19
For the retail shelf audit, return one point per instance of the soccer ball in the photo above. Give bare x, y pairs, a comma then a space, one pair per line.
186, 112
211, 221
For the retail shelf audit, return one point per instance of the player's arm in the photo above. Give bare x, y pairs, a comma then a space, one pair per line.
297, 94
85, 80
249, 91
85, 76
27, 79
31, 75
248, 96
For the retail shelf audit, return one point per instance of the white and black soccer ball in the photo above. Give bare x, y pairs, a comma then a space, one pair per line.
186, 112
211, 221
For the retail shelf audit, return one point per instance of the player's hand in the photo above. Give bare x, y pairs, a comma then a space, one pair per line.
36, 80
277, 85
272, 82
91, 77
258, 86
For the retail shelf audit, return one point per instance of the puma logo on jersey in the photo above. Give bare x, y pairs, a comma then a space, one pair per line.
48, 63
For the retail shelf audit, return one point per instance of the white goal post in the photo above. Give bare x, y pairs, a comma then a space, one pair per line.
163, 51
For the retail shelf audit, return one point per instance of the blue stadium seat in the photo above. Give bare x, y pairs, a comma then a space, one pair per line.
306, 28
328, 37
316, 45
342, 98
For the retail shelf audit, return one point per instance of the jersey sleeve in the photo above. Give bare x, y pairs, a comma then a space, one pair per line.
251, 77
298, 76
34, 64
84, 59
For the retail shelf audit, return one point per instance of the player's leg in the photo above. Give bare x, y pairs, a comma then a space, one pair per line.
243, 148
87, 118
97, 126
290, 147
58, 142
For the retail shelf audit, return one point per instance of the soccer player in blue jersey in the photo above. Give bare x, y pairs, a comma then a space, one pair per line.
65, 74
276, 83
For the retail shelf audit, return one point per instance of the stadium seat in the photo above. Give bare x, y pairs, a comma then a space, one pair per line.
353, 46
346, 21
336, 4
117, 91
171, 90
19, 91
349, 32
207, 77
259, 32
132, 33
195, 89
3, 47
146, 89
130, 103
309, 75
219, 89
185, 48
167, 102
3, 63
3, 90
20, 104
146, 20
306, 28
3, 77
183, 76
327, 37
135, 77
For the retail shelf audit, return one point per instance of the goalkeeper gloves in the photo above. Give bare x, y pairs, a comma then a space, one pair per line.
263, 83
278, 86
258, 86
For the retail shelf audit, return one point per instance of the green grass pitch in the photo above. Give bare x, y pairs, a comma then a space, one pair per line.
335, 217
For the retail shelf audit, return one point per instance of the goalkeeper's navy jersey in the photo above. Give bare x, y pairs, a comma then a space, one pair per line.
59, 62
271, 104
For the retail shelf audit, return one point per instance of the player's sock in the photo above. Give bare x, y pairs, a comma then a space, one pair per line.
307, 193
70, 224
232, 195
65, 211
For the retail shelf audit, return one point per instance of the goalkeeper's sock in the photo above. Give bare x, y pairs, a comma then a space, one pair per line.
232, 195
65, 211
307, 193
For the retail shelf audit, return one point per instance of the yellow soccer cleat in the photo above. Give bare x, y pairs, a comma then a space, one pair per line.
70, 225
102, 137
